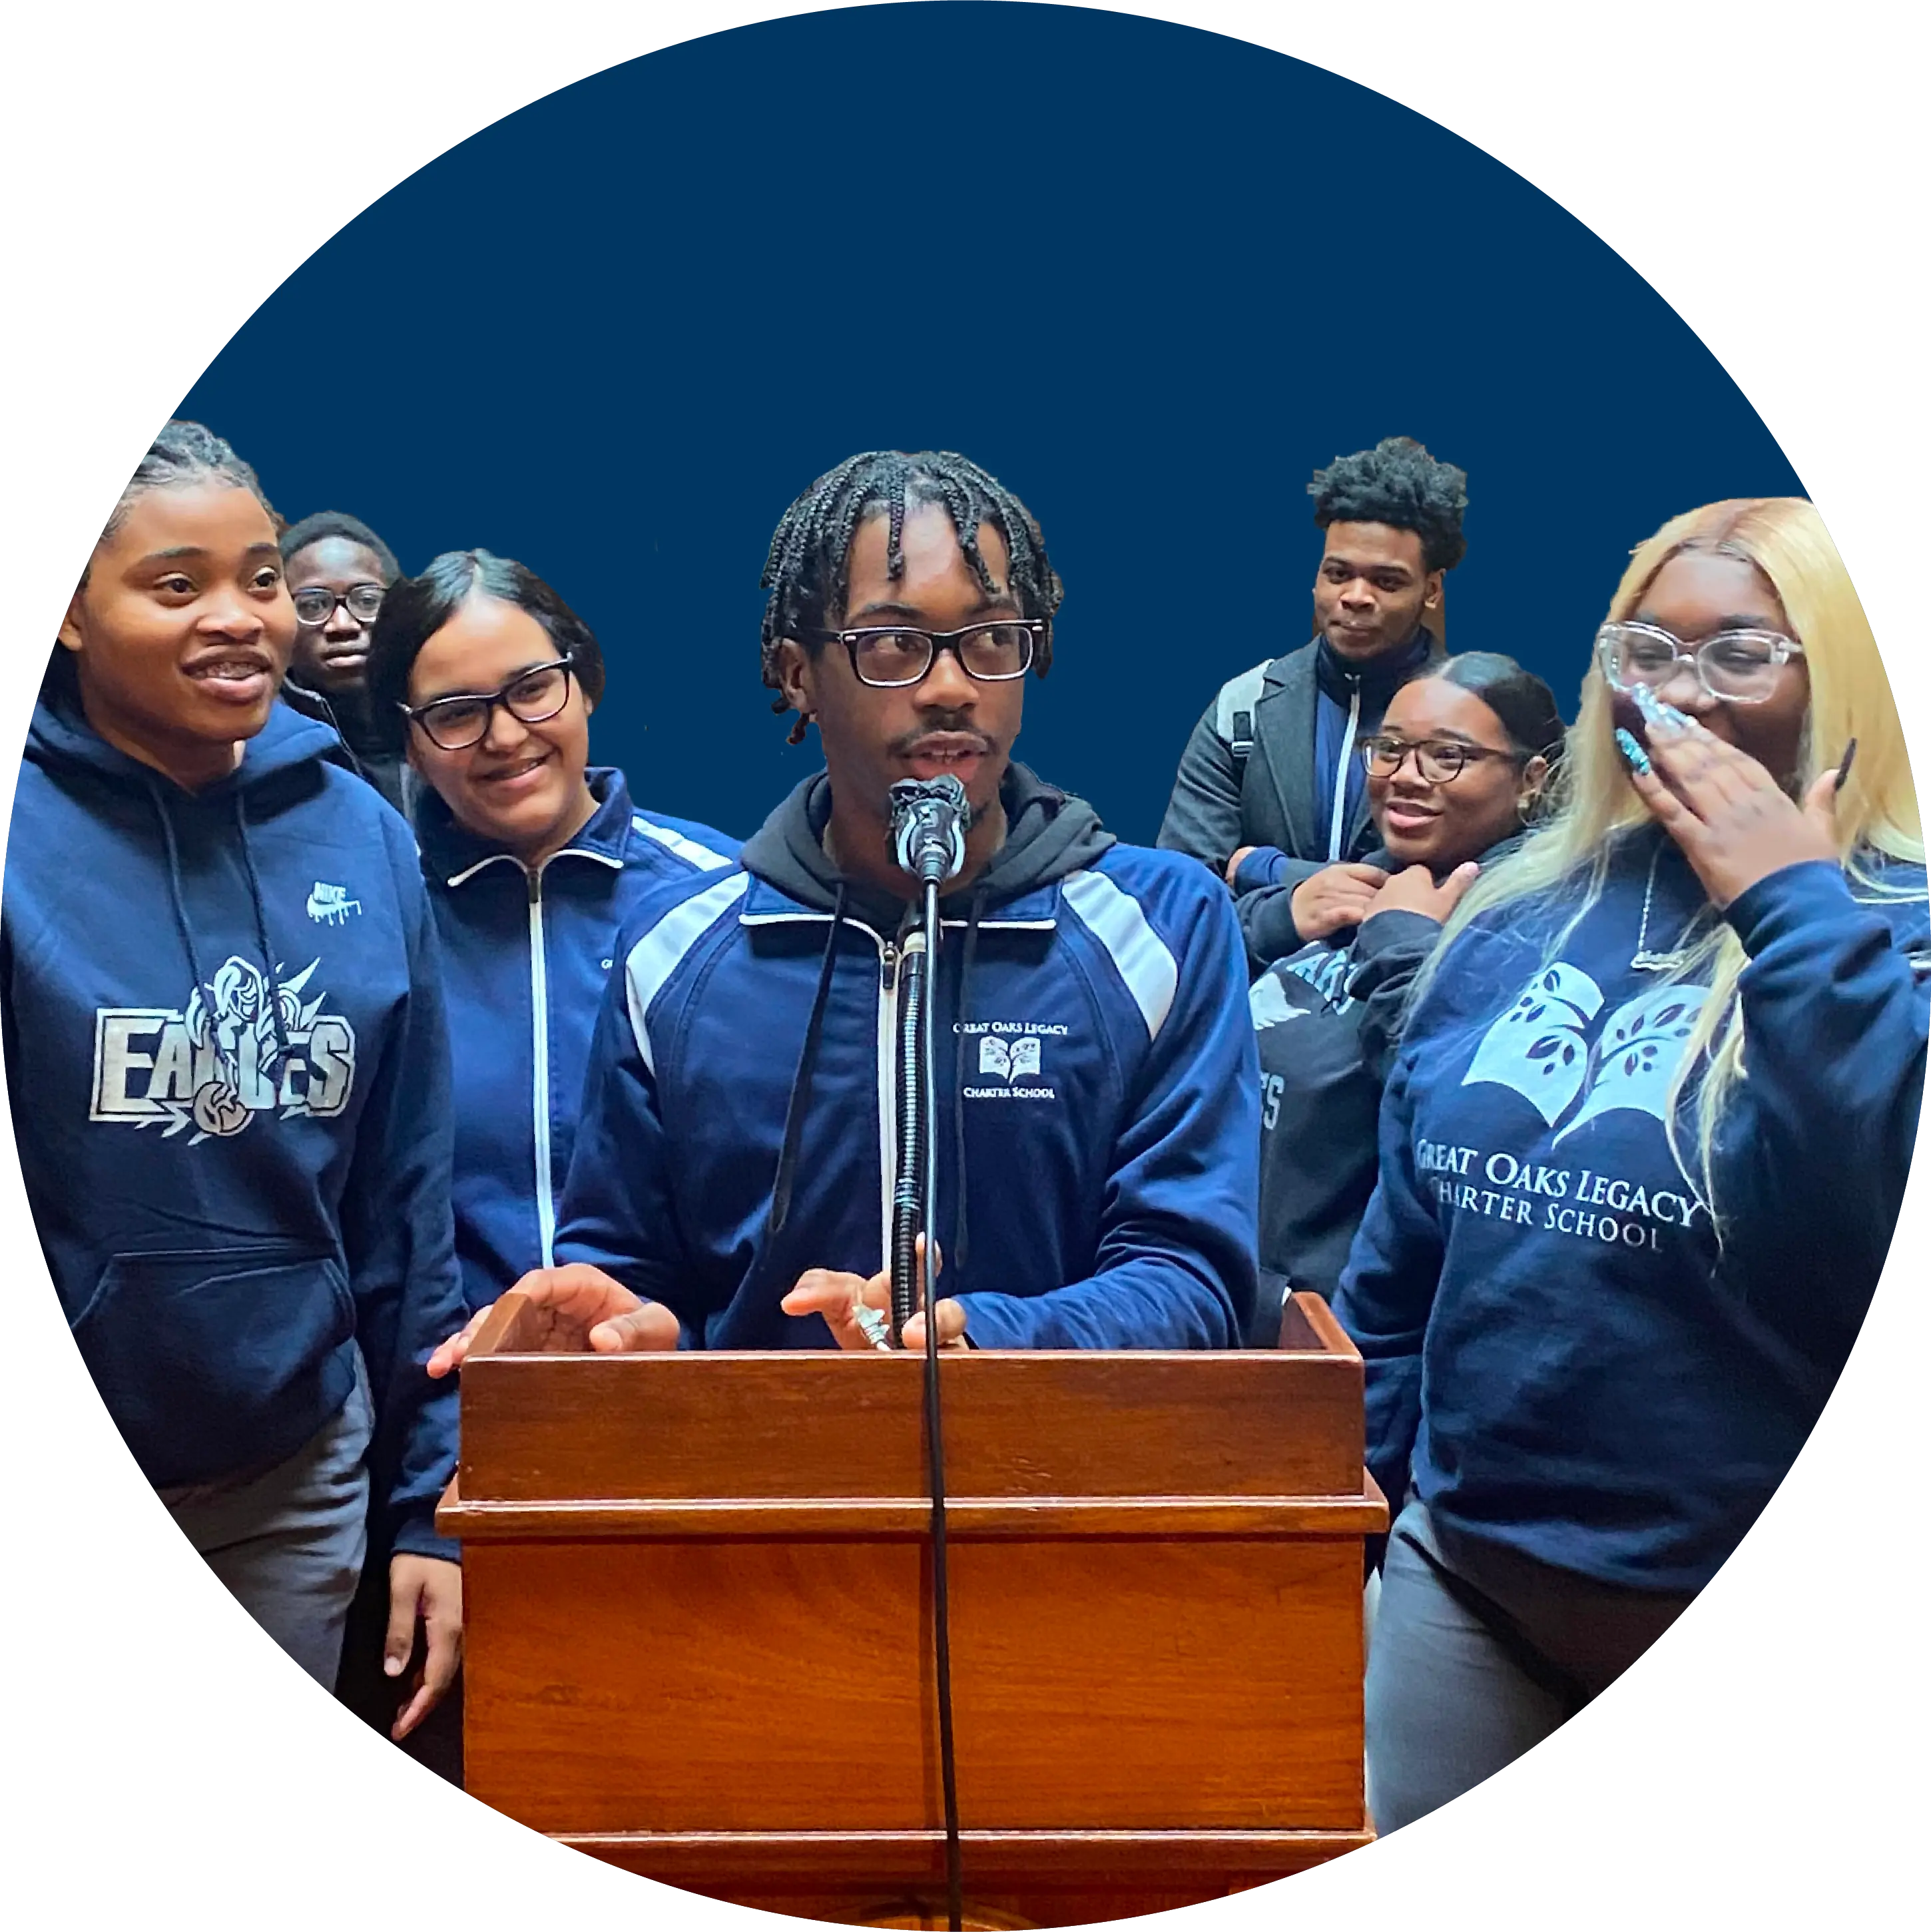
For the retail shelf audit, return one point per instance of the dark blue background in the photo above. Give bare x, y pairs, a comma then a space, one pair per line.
1150, 277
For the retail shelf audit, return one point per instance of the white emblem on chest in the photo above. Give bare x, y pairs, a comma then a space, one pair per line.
1547, 1047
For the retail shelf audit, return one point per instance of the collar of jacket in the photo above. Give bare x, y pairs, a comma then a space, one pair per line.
455, 855
1037, 911
1379, 678
1049, 833
311, 704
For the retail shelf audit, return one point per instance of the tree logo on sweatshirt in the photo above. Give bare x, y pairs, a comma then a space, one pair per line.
1548, 1048
240, 1047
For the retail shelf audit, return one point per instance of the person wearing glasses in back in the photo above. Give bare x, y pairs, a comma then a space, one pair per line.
1642, 1148
484, 680
338, 570
1094, 1088
1454, 775
1270, 792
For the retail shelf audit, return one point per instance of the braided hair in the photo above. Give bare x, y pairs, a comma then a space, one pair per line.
1397, 483
808, 570
183, 454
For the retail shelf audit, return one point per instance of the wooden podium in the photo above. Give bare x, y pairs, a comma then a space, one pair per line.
698, 1592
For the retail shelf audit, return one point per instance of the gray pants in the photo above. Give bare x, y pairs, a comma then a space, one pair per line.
1480, 1653
289, 1542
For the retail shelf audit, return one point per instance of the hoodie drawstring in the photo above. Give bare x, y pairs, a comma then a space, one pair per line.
974, 912
801, 1081
261, 926
178, 899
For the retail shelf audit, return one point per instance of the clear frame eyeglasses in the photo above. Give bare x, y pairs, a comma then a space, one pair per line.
315, 603
1438, 760
889, 656
532, 697
1738, 666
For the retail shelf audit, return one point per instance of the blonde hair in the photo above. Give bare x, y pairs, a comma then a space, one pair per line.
1785, 539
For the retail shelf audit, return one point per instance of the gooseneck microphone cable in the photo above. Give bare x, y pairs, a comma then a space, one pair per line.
929, 822
942, 1634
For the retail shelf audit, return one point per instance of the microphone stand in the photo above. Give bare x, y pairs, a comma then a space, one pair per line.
915, 1213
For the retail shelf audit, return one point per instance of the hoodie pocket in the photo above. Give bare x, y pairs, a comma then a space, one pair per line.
216, 1361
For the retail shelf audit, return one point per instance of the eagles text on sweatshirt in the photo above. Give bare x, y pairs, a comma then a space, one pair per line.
229, 1079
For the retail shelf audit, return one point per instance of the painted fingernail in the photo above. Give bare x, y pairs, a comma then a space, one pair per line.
1656, 714
1634, 756
1844, 769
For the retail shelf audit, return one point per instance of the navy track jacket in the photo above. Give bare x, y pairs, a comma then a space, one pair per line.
229, 1079
1095, 1084
526, 956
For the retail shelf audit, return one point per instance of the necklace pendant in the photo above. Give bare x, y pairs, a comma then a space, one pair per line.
1644, 961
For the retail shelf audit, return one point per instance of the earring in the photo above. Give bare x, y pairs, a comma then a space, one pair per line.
797, 734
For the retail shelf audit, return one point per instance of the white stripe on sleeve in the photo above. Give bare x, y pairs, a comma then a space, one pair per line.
688, 850
661, 951
1115, 918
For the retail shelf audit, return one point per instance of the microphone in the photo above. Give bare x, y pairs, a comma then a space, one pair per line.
930, 817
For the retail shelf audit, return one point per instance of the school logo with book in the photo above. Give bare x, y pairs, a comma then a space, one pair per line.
1549, 1048
213, 1065
1009, 1056
1000, 1059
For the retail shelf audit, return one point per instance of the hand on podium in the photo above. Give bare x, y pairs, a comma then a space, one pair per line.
838, 1298
578, 1309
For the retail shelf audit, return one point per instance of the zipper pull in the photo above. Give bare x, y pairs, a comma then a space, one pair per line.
888, 968
535, 881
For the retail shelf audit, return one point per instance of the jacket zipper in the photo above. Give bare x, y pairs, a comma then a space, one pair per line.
539, 1006
1337, 826
887, 1093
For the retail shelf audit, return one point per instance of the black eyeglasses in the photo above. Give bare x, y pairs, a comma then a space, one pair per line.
894, 655
1438, 760
316, 605
532, 697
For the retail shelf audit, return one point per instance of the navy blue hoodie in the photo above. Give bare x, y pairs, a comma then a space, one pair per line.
229, 1075
525, 958
1558, 1346
1321, 1089
1095, 1089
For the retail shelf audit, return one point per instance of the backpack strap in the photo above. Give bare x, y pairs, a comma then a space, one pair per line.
1233, 712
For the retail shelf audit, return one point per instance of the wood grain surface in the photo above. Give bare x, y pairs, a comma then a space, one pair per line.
699, 1599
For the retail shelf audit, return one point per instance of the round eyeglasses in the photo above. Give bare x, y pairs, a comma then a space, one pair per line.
1740, 666
892, 655
315, 603
532, 697
1437, 760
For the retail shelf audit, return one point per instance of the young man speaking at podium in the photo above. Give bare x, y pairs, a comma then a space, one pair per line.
1094, 1075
